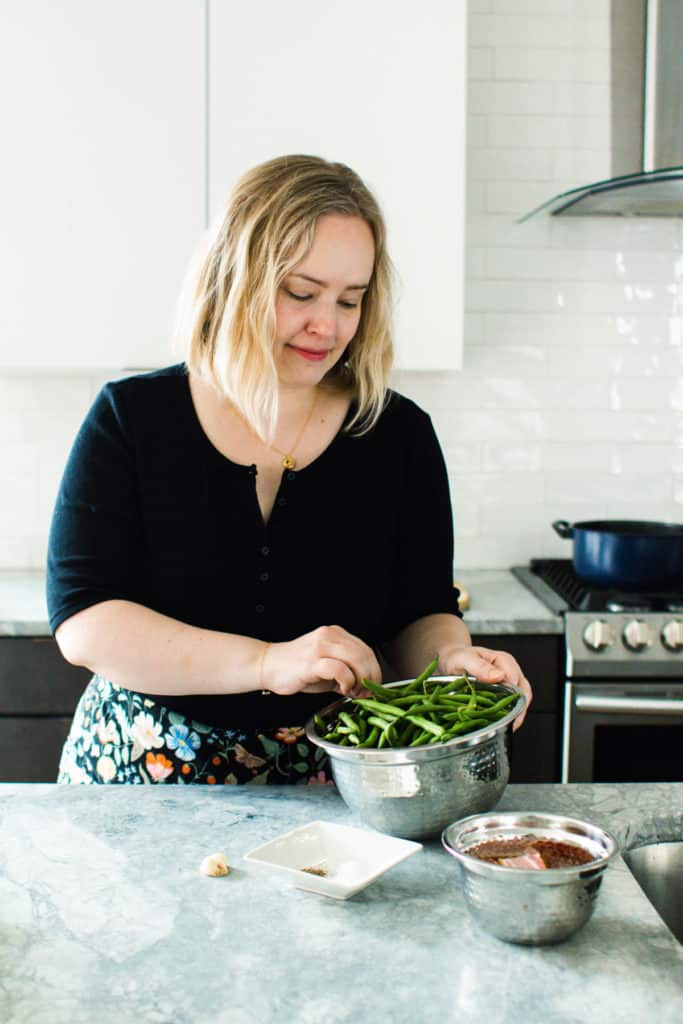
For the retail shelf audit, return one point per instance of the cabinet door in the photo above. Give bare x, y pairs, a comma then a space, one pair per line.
536, 747
379, 86
30, 747
103, 178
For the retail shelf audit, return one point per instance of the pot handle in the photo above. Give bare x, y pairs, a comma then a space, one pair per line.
563, 529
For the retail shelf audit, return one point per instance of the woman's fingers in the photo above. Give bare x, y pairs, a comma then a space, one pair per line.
491, 667
328, 658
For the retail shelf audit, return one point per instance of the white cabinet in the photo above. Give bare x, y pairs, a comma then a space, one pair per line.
111, 164
379, 86
102, 195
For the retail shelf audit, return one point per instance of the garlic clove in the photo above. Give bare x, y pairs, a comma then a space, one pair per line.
214, 865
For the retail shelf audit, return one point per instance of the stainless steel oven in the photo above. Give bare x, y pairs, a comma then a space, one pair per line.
625, 732
623, 688
623, 700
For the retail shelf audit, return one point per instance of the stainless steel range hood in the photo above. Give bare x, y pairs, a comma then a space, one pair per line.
656, 189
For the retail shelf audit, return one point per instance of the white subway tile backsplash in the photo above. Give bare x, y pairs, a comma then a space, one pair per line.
477, 131
514, 98
510, 296
514, 197
623, 234
529, 31
511, 165
615, 425
479, 63
598, 297
612, 489
666, 459
520, 360
602, 361
575, 457
579, 166
589, 98
512, 458
550, 64
493, 425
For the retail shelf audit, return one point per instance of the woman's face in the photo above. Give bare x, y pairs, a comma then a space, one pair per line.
318, 305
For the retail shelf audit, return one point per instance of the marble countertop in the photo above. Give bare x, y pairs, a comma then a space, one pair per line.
105, 917
499, 604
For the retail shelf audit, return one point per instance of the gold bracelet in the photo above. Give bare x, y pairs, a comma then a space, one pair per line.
266, 693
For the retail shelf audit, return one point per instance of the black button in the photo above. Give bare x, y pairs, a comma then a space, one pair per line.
290, 475
265, 550
281, 502
264, 577
260, 608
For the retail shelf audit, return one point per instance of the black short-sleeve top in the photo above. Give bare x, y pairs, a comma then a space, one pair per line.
149, 511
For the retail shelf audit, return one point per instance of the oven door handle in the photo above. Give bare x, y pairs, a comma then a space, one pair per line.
628, 705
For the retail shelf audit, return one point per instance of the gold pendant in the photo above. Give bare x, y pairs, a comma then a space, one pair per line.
288, 462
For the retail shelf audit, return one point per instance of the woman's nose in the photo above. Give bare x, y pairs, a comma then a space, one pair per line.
322, 322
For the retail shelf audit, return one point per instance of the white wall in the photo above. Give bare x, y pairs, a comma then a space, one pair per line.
570, 403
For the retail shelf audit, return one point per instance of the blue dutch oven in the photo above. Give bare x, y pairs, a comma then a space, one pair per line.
626, 554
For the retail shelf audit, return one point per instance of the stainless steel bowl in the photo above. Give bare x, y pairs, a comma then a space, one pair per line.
527, 906
413, 792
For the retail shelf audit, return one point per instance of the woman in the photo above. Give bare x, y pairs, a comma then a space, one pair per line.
236, 538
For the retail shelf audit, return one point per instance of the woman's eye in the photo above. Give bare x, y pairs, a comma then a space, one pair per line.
295, 295
349, 305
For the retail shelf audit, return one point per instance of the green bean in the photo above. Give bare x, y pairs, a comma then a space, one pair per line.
380, 723
381, 691
425, 724
371, 738
347, 720
379, 707
421, 738
468, 726
504, 701
423, 676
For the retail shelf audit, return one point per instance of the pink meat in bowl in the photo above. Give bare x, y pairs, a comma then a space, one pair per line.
525, 902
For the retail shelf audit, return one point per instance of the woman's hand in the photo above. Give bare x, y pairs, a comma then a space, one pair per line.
328, 658
487, 666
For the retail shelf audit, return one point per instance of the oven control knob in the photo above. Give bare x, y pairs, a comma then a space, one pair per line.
672, 635
638, 635
597, 635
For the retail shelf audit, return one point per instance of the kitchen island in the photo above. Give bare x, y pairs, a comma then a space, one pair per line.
104, 917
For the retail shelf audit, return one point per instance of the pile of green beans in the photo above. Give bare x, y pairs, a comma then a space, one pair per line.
422, 712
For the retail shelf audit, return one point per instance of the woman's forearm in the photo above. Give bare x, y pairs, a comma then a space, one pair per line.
417, 644
145, 651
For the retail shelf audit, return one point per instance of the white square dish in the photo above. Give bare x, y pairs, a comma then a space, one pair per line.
350, 858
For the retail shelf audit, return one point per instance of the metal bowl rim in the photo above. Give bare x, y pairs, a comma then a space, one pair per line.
428, 752
536, 820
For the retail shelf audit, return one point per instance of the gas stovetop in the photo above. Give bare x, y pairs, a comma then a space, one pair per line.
610, 634
555, 583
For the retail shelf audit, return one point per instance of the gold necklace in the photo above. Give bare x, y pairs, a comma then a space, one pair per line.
288, 460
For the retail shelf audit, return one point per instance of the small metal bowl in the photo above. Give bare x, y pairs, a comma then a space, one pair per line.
526, 906
414, 792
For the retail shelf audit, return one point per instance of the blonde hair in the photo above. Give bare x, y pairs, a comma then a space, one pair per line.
226, 314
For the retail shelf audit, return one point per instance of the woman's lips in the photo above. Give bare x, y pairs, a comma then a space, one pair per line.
313, 355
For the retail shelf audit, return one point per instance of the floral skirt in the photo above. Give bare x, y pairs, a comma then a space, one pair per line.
121, 736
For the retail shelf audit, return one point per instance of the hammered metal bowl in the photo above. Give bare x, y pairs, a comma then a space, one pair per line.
414, 792
526, 906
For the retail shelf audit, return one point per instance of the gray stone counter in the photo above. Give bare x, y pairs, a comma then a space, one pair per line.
105, 918
23, 610
499, 604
